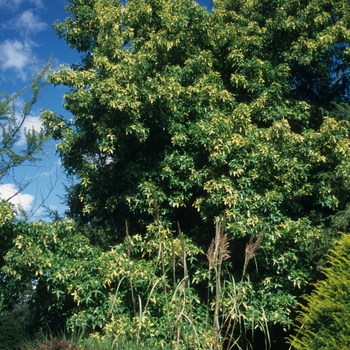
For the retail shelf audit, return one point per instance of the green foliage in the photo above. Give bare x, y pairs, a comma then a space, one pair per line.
190, 116
6, 228
324, 321
18, 146
201, 108
49, 255
120, 291
8, 235
150, 291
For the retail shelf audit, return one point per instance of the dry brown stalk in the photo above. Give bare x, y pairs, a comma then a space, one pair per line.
217, 253
128, 239
128, 251
252, 246
219, 249
232, 319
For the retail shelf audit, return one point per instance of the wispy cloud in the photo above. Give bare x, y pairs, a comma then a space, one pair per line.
13, 4
10, 193
27, 23
16, 55
32, 122
10, 4
56, 170
24, 124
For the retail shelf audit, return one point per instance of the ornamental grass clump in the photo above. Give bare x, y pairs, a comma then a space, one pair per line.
218, 252
228, 306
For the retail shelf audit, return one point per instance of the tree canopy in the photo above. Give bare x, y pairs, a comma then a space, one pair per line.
239, 114
221, 113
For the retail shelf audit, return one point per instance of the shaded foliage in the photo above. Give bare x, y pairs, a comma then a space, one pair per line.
237, 116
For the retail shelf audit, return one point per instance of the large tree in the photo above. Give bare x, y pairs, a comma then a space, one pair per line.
197, 115
224, 112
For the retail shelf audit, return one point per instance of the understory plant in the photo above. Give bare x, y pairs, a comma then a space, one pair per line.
155, 290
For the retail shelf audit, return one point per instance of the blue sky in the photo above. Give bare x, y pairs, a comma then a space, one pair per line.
27, 39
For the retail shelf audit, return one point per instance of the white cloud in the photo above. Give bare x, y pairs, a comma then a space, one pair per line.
32, 123
13, 4
19, 200
10, 4
38, 3
16, 55
26, 23
56, 170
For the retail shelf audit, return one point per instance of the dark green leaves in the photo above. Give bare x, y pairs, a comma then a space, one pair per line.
224, 114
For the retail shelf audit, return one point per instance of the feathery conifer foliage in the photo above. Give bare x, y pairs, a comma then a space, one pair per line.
18, 145
325, 320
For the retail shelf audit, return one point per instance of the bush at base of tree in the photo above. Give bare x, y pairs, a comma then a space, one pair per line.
325, 321
14, 328
149, 290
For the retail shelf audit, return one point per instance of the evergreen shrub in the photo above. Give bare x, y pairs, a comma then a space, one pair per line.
324, 323
12, 329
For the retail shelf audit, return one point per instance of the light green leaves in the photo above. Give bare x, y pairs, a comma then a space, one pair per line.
223, 114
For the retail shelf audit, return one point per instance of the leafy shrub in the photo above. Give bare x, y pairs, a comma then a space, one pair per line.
325, 321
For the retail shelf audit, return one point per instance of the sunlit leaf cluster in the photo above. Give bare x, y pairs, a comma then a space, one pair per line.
183, 118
